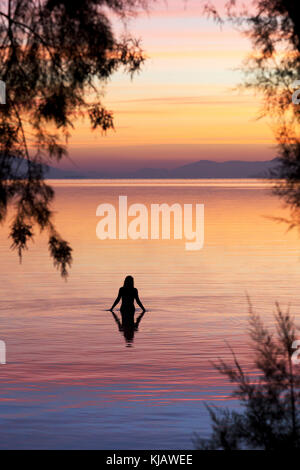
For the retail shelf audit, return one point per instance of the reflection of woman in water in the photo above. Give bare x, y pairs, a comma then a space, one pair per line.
128, 326
128, 294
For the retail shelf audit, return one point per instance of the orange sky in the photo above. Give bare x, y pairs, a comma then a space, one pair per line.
182, 106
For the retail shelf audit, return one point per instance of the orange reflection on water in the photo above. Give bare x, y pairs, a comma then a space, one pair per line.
60, 337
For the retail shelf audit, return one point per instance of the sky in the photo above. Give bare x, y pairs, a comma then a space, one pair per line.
182, 106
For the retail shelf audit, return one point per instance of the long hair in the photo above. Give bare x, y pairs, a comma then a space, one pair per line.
129, 282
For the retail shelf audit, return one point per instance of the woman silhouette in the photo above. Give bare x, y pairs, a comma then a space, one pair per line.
128, 293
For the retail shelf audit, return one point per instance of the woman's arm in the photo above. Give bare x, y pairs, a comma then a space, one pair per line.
117, 300
138, 301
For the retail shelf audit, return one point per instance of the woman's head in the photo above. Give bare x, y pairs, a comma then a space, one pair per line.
128, 282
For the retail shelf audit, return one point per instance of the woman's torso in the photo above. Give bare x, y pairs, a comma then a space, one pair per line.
128, 295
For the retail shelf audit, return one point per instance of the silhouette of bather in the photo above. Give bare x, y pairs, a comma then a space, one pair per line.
128, 294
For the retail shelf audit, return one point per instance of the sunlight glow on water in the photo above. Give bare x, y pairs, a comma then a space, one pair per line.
71, 381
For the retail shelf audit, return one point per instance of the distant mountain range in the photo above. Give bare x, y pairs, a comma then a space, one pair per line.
200, 169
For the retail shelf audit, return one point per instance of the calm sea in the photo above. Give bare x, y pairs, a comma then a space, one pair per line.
75, 379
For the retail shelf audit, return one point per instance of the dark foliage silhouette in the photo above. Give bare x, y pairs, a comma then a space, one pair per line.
55, 57
270, 419
272, 67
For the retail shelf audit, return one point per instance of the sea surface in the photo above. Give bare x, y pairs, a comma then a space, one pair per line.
74, 378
